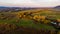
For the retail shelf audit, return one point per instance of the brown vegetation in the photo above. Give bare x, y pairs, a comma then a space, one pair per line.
14, 29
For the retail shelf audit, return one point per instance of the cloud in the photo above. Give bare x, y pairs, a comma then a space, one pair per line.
45, 1
30, 2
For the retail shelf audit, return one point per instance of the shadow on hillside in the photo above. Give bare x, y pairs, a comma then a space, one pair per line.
14, 29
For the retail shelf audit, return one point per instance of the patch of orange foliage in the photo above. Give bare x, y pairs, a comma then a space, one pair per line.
58, 20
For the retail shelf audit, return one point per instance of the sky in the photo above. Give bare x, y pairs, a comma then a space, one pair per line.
30, 3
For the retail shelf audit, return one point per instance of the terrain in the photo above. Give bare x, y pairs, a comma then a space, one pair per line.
32, 21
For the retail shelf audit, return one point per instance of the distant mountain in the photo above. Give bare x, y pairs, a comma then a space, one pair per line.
58, 7
3, 7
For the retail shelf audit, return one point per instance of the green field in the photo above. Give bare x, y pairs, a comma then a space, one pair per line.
14, 18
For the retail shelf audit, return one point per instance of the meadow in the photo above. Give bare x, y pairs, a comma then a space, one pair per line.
34, 21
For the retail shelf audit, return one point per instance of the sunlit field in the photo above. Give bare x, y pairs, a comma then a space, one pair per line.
34, 21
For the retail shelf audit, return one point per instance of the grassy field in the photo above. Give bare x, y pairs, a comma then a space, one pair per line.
28, 18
